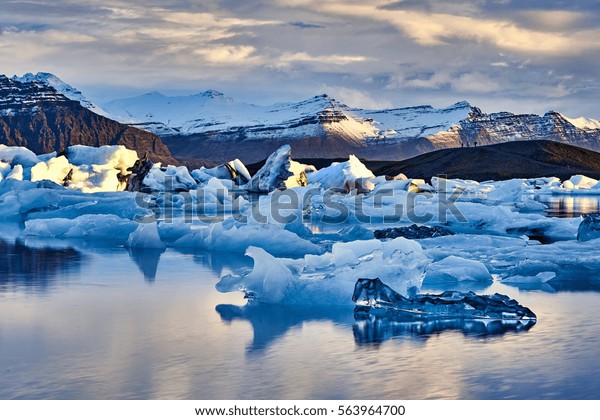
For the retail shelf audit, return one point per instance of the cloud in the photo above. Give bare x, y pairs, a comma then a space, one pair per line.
336, 59
382, 52
474, 82
227, 54
303, 25
356, 98
435, 29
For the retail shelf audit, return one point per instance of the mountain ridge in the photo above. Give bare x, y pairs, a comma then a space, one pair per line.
212, 127
321, 127
532, 159
35, 115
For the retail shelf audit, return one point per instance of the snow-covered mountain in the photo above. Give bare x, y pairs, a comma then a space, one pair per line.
209, 124
211, 112
61, 87
213, 127
34, 114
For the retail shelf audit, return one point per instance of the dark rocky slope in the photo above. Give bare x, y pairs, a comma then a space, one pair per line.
519, 159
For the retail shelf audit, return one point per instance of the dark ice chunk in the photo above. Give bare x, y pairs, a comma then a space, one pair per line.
372, 296
382, 313
413, 232
589, 228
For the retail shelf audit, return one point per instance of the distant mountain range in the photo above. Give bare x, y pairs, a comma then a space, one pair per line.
210, 127
44, 118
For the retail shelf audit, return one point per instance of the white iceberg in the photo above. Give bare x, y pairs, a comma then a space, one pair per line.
455, 269
232, 236
279, 172
329, 278
145, 236
233, 170
89, 226
346, 176
169, 178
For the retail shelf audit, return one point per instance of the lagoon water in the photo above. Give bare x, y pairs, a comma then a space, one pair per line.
78, 322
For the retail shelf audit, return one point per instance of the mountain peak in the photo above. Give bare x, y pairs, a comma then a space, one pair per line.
61, 87
461, 104
210, 93
25, 96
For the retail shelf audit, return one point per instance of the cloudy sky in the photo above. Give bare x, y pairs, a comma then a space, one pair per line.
521, 56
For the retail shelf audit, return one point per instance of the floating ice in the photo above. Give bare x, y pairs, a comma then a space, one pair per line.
348, 176
539, 278
576, 264
232, 236
453, 269
170, 231
170, 178
92, 226
16, 173
56, 169
89, 169
578, 182
279, 172
373, 297
413, 232
589, 228
576, 185
234, 170
328, 278
145, 236
18, 156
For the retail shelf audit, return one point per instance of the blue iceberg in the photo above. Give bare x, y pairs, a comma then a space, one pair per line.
374, 296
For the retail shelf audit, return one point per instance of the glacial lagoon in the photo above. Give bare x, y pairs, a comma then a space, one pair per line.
90, 321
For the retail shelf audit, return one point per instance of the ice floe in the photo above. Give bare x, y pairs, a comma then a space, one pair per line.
328, 278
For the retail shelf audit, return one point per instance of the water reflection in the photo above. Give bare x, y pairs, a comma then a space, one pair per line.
373, 329
147, 261
34, 268
569, 205
572, 279
220, 263
269, 322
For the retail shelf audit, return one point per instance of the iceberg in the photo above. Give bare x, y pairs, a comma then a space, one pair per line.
344, 176
232, 236
145, 236
16, 173
15, 155
328, 279
413, 232
170, 178
89, 226
278, 173
454, 269
139, 171
234, 171
589, 228
579, 182
373, 297
84, 168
